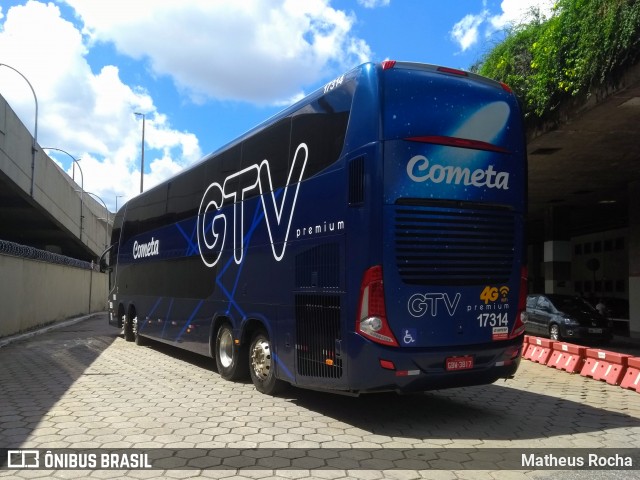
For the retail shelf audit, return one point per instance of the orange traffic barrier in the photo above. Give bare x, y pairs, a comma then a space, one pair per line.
631, 378
567, 357
539, 350
603, 365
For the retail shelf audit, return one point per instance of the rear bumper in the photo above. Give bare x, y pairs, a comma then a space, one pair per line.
424, 369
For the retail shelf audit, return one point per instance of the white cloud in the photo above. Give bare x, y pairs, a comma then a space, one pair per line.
255, 50
520, 11
374, 3
262, 51
467, 32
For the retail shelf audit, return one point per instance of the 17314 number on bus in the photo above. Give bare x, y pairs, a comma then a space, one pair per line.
493, 319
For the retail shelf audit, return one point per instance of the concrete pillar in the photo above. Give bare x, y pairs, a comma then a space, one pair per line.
557, 252
535, 264
634, 259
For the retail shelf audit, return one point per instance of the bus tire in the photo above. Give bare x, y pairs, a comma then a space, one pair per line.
129, 336
140, 340
261, 365
231, 359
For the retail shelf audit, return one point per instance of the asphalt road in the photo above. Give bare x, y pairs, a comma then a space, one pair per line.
83, 387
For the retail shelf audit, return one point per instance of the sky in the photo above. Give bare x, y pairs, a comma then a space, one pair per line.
202, 72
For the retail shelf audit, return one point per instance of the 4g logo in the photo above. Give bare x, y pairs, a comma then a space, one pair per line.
491, 294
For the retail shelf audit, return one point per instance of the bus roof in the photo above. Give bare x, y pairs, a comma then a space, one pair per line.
365, 69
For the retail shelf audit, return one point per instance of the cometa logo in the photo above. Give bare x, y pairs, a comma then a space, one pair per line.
420, 169
149, 249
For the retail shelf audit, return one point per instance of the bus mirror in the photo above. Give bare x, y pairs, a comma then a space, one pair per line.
103, 259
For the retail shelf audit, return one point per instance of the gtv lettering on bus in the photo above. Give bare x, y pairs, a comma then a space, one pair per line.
149, 249
212, 232
419, 304
420, 170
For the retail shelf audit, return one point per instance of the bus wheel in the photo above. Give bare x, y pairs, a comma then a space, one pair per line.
140, 340
261, 365
231, 359
129, 336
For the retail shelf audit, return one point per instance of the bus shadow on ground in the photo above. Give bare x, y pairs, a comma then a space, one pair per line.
505, 410
490, 412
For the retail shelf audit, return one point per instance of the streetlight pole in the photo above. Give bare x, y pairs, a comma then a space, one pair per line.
117, 197
34, 143
142, 157
75, 162
73, 170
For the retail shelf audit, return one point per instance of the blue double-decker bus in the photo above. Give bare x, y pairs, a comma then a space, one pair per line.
368, 238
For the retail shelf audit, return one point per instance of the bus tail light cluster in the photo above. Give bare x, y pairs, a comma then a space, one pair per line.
388, 64
372, 317
521, 314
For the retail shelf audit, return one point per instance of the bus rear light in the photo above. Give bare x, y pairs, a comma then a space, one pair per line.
387, 364
508, 357
388, 64
521, 314
453, 71
458, 142
506, 87
372, 318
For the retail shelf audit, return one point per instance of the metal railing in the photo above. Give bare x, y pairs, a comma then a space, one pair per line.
25, 251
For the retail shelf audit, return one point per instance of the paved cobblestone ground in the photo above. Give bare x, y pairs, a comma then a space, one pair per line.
83, 386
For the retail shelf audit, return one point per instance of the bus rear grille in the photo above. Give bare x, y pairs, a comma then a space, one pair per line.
318, 268
462, 245
318, 335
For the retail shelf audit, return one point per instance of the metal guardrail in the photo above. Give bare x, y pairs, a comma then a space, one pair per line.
25, 251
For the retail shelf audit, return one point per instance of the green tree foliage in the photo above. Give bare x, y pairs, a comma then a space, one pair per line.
585, 44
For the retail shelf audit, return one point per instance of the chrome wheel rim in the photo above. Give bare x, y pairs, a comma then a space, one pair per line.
261, 358
225, 351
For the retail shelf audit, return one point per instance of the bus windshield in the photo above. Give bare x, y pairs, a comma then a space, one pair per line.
463, 138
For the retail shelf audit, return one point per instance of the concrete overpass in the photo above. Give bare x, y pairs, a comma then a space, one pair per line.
584, 198
40, 205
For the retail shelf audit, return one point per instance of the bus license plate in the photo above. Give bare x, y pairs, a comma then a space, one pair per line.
459, 363
595, 330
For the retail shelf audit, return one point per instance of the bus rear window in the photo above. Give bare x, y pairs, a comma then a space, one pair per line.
425, 103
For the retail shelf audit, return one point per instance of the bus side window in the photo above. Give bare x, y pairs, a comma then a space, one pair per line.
272, 145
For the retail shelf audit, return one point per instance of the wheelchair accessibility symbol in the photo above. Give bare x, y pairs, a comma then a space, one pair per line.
409, 336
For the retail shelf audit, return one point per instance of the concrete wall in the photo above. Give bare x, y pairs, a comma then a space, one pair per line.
34, 293
611, 251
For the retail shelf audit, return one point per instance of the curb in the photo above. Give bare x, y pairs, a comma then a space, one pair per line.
39, 331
